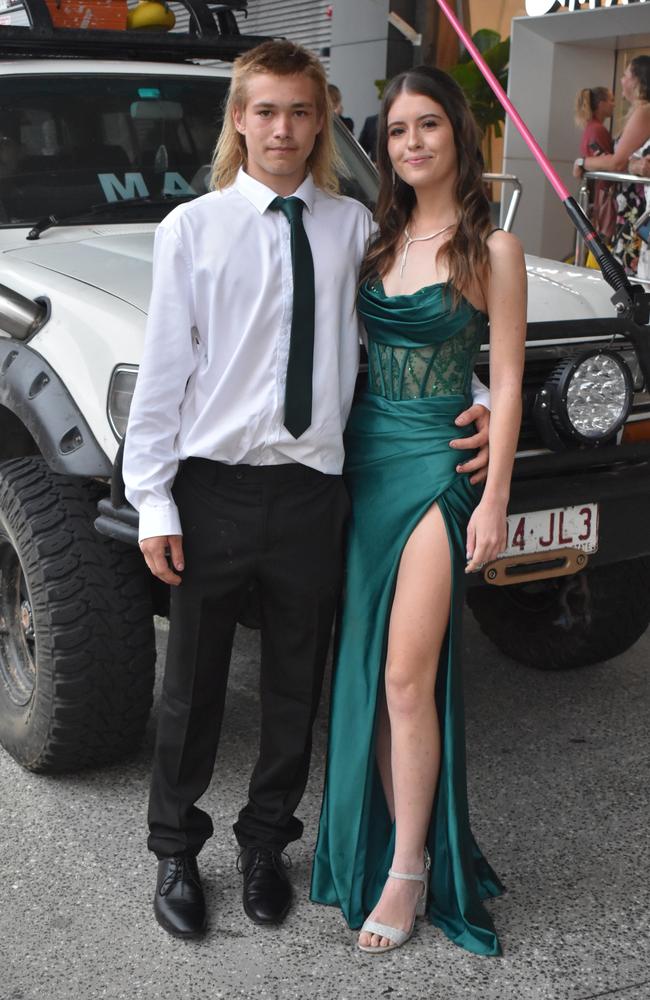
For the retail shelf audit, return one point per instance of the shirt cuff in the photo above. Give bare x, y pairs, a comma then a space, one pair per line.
482, 397
158, 520
480, 393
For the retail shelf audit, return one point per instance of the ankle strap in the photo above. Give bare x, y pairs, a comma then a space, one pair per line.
422, 877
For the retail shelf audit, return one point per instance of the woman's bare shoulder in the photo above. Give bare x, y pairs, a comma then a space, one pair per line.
504, 248
639, 117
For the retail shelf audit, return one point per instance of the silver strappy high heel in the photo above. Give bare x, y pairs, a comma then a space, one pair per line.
396, 936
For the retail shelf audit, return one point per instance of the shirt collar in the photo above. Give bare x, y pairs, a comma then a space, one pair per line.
261, 196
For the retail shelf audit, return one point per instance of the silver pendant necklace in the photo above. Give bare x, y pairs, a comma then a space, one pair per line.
418, 239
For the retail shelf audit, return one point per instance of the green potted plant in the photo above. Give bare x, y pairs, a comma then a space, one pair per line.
486, 108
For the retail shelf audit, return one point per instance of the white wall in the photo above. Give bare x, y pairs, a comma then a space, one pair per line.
358, 55
553, 57
303, 21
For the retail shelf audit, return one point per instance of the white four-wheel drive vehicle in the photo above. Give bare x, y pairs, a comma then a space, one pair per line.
95, 149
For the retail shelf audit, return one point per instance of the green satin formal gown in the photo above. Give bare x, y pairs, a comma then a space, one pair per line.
421, 353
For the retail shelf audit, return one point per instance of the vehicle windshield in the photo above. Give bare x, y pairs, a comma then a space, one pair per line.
71, 142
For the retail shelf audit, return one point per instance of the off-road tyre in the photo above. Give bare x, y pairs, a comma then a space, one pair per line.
568, 622
77, 650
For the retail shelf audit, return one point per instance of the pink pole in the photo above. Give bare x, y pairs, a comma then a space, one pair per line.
507, 104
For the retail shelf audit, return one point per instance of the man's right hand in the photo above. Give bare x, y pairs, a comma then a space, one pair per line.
156, 551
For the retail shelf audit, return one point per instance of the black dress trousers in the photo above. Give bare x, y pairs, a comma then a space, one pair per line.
281, 528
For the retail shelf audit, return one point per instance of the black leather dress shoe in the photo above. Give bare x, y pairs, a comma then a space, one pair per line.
267, 890
179, 905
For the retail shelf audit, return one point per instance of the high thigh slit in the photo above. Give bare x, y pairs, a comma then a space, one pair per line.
398, 464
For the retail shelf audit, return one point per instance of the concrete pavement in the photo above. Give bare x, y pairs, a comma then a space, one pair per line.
558, 771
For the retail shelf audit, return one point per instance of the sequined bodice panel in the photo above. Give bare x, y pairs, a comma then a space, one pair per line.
443, 369
418, 345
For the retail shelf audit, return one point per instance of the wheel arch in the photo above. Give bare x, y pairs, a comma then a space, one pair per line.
38, 413
15, 439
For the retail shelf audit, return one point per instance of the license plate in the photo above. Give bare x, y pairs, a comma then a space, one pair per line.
546, 530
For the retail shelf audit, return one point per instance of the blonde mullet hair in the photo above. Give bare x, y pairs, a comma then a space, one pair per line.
279, 58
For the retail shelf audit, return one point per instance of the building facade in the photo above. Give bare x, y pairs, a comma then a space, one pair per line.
563, 51
308, 22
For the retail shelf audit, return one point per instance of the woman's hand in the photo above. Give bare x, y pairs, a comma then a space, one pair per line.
486, 534
640, 166
578, 167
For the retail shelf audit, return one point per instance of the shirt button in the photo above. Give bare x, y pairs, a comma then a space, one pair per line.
239, 475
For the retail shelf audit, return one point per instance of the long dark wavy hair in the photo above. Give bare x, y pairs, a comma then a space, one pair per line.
466, 251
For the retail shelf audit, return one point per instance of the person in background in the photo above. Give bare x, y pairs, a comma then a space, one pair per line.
368, 137
336, 100
593, 107
633, 144
640, 165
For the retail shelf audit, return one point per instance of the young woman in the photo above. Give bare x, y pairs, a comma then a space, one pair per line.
436, 274
631, 149
593, 106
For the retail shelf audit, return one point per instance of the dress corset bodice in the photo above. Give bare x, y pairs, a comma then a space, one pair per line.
418, 345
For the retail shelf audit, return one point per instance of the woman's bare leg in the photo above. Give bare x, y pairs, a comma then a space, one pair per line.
418, 623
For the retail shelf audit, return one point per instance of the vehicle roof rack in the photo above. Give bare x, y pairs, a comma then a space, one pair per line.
213, 34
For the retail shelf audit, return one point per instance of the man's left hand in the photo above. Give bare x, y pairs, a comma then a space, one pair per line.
477, 467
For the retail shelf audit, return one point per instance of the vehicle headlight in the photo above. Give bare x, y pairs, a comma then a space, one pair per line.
120, 394
587, 398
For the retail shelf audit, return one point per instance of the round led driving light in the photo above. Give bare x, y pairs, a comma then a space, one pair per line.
590, 396
598, 396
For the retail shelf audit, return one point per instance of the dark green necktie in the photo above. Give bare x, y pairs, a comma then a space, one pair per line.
297, 399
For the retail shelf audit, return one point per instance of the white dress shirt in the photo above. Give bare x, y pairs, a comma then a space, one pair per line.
211, 382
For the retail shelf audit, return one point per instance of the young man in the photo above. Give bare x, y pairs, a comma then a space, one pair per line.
233, 457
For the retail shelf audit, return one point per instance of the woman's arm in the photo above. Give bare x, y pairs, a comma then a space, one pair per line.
506, 304
635, 133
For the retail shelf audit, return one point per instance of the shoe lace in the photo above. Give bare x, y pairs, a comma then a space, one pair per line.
263, 857
181, 868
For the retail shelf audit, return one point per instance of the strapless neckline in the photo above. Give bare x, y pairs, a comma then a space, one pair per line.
379, 286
